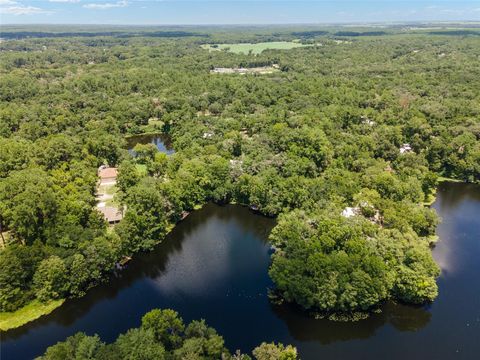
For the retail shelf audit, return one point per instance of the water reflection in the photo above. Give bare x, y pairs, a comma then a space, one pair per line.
458, 225
324, 331
161, 141
214, 265
451, 195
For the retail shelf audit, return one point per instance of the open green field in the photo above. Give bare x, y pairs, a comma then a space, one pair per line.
245, 48
30, 312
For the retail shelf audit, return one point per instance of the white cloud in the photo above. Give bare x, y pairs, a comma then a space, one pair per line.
64, 1
100, 6
13, 7
22, 10
453, 11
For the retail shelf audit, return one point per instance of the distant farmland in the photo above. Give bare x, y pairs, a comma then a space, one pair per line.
257, 48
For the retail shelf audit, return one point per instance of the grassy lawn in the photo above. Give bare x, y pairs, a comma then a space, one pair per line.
111, 190
112, 203
107, 189
430, 199
447, 179
255, 48
30, 312
155, 123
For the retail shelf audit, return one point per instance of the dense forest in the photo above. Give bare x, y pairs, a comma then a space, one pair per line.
163, 335
345, 144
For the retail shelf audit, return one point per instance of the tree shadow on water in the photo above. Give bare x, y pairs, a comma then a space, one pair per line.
133, 282
148, 265
303, 327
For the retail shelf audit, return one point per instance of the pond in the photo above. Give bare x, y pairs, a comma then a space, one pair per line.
214, 264
161, 141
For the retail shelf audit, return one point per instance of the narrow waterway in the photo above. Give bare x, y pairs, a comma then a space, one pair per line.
214, 266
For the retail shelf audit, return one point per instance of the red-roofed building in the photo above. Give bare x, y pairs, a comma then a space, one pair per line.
107, 173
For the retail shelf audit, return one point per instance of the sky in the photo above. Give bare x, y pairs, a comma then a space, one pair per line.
189, 12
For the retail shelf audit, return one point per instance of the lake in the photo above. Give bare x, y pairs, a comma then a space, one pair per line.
214, 264
161, 141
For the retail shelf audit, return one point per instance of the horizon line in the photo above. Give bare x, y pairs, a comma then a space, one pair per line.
399, 22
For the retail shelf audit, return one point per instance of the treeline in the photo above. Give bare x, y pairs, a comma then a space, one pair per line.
54, 242
163, 335
305, 144
356, 33
456, 32
312, 33
18, 35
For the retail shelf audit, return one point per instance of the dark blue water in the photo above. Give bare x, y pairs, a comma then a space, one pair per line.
161, 141
214, 266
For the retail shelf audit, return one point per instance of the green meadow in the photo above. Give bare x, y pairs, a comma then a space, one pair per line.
245, 48
27, 313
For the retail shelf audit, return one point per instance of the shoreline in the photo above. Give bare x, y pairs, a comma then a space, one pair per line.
12, 320
430, 199
148, 133
28, 313
35, 309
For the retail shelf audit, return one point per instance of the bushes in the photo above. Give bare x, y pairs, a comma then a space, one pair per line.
146, 220
12, 282
166, 326
136, 344
78, 346
271, 351
50, 280
30, 272
18, 265
325, 135
415, 281
162, 335
327, 263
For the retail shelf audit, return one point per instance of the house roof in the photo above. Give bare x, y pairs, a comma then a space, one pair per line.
108, 172
349, 212
111, 214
